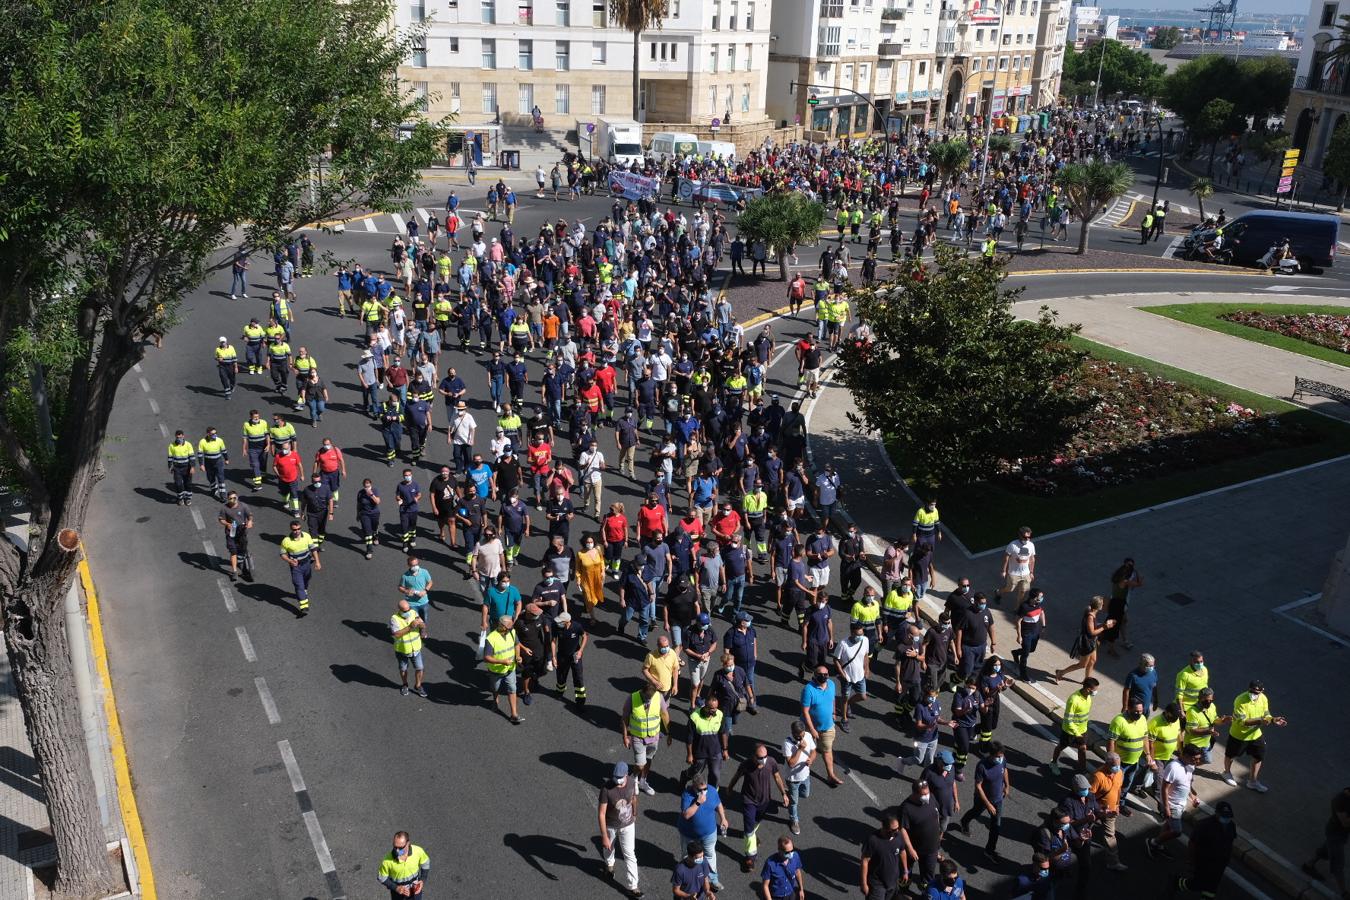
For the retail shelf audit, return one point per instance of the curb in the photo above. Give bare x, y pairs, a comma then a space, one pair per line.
126, 797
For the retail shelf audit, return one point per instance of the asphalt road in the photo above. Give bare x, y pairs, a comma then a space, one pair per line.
274, 757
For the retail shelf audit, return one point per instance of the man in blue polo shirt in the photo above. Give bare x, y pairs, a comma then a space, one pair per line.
701, 813
415, 584
818, 714
781, 877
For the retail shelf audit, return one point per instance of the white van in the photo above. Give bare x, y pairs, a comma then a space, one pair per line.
722, 149
670, 144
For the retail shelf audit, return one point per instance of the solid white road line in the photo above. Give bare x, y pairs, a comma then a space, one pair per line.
269, 705
245, 644
853, 776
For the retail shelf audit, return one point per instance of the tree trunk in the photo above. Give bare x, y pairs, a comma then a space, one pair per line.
782, 265
1213, 149
39, 653
1083, 236
1341, 205
1200, 201
637, 81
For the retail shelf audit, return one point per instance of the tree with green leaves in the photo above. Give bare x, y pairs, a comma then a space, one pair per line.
1256, 88
949, 157
139, 135
1123, 70
952, 379
782, 220
638, 16
1336, 160
1200, 189
1090, 187
1218, 119
1166, 38
1000, 145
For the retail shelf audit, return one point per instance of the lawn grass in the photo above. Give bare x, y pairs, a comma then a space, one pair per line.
985, 515
1206, 315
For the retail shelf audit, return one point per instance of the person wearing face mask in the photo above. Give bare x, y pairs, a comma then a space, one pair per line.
781, 877
976, 630
404, 869
921, 831
799, 749
1210, 849
1251, 713
617, 809
1203, 721
965, 718
733, 690
1074, 725
535, 637
927, 719
693, 876
1030, 623
884, 861
939, 649
852, 557
948, 885
758, 776
237, 519
1128, 736
213, 455
1054, 840
408, 495
702, 817
817, 701
1142, 684
992, 684
1036, 884
1164, 730
993, 783
853, 663
415, 586
1085, 813
368, 516
941, 778
867, 613
661, 669
408, 631
707, 745
316, 500
1105, 786
897, 611
1176, 794
1190, 680
331, 466
297, 549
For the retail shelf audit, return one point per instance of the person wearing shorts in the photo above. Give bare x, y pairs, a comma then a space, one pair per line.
408, 631
645, 748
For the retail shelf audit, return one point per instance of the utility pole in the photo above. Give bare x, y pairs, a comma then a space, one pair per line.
1101, 58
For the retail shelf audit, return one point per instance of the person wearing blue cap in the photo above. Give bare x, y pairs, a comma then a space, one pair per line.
699, 646
618, 806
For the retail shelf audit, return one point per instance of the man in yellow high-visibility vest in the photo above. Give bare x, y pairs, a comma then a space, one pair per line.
405, 868
408, 631
501, 653
645, 715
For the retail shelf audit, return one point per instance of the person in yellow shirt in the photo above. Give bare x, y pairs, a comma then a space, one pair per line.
1251, 713
661, 668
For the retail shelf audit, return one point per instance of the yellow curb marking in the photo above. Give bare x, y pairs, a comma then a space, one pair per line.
126, 797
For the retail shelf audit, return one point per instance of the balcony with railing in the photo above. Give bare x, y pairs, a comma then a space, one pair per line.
832, 9
827, 51
1325, 77
891, 48
890, 14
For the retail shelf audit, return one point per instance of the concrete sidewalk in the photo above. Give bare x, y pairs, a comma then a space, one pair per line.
1216, 574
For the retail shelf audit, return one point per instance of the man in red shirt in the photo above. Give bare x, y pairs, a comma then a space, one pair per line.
591, 395
286, 465
331, 466
540, 456
726, 523
651, 518
607, 380
691, 525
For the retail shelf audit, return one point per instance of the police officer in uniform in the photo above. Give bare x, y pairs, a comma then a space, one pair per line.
227, 364
214, 455
317, 502
257, 444
254, 334
408, 495
391, 428
368, 515
297, 549
181, 457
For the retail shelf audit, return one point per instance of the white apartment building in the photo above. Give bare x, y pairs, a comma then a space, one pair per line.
1048, 70
833, 46
491, 61
1320, 100
912, 58
992, 64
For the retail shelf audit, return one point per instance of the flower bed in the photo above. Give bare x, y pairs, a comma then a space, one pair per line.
1324, 330
1144, 426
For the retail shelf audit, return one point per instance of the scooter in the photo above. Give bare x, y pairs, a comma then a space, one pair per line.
1278, 260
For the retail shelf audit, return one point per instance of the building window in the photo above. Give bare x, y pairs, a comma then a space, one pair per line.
750, 15
419, 54
846, 79
975, 64
422, 95
598, 13
525, 12
735, 14
419, 11
727, 105
454, 90
1026, 61
745, 98
925, 36
716, 17
489, 12
731, 57
526, 57
674, 11
866, 38
454, 45
1017, 63
829, 40
525, 99
979, 35
598, 99
562, 99
489, 53
852, 39
923, 67
712, 60
562, 56
1328, 15
712, 100
749, 54
598, 53
989, 63
1003, 63
864, 74
489, 97
1022, 8
563, 14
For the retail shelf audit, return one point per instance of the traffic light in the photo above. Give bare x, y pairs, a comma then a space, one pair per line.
813, 100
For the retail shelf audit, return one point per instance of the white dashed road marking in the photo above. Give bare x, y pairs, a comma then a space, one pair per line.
245, 644
269, 705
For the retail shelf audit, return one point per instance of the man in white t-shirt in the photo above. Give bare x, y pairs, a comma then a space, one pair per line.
800, 751
851, 662
1175, 794
1019, 567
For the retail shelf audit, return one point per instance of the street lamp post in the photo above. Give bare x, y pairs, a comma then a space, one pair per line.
1158, 178
1101, 58
869, 101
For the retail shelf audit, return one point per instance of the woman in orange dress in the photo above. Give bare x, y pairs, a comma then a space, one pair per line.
591, 575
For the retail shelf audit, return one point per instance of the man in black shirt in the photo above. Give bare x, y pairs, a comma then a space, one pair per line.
569, 643
921, 830
508, 473
443, 502
533, 633
883, 859
975, 632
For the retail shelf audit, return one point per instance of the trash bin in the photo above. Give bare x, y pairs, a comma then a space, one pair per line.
509, 159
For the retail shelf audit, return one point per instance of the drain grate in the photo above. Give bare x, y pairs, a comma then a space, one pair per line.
1181, 599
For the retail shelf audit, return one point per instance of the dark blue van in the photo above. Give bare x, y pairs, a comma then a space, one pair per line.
1312, 236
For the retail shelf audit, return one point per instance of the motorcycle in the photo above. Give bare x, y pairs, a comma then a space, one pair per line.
1278, 260
1194, 251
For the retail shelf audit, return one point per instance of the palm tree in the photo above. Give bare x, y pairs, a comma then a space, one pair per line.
781, 220
1090, 187
637, 16
949, 157
1200, 189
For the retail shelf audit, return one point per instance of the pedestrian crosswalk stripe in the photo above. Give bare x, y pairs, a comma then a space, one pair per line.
423, 215
370, 224
399, 223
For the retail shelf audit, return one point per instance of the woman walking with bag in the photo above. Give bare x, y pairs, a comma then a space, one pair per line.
1084, 647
